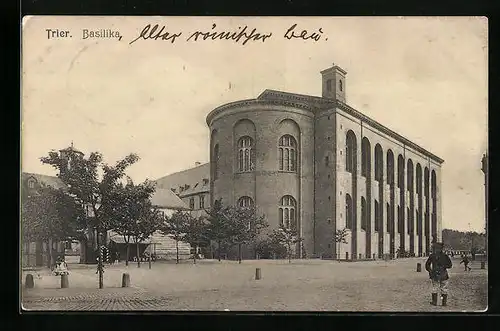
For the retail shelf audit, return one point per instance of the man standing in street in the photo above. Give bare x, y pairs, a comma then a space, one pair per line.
437, 265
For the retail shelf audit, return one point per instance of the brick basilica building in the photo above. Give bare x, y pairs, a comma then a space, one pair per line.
322, 165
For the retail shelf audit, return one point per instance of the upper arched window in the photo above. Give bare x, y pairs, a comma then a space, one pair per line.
287, 153
245, 154
348, 211
379, 164
340, 85
245, 202
365, 158
287, 212
350, 152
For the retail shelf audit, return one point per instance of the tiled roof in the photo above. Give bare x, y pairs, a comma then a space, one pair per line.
52, 181
165, 198
187, 182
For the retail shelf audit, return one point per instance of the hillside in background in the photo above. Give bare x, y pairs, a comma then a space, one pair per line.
459, 240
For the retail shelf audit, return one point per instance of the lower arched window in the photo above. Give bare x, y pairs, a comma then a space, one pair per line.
287, 212
364, 216
348, 211
245, 202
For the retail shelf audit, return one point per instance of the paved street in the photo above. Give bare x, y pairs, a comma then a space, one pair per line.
302, 285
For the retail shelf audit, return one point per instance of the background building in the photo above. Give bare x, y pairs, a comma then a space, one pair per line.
36, 253
192, 186
319, 163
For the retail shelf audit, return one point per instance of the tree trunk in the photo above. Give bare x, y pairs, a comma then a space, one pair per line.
177, 250
218, 249
138, 256
127, 257
194, 255
239, 253
289, 254
99, 261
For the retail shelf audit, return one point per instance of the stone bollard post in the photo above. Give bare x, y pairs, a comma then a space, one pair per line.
347, 255
374, 256
483, 265
419, 267
64, 281
360, 256
30, 283
257, 274
125, 280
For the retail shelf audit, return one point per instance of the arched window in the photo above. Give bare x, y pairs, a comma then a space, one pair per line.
408, 220
364, 216
329, 85
377, 216
426, 182
245, 154
419, 180
389, 221
365, 157
245, 202
379, 163
348, 211
340, 85
410, 176
390, 168
401, 171
216, 161
31, 183
287, 153
350, 152
287, 213
191, 202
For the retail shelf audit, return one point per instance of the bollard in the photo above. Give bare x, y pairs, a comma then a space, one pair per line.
347, 255
483, 265
257, 274
374, 256
125, 280
30, 283
64, 281
419, 267
360, 256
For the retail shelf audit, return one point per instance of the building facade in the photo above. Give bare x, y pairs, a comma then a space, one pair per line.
320, 164
192, 186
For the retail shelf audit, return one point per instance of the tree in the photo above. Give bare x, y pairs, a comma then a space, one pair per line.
147, 222
90, 189
287, 237
245, 225
50, 216
340, 238
219, 227
132, 204
194, 233
174, 226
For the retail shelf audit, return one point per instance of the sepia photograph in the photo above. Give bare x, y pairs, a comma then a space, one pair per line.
254, 164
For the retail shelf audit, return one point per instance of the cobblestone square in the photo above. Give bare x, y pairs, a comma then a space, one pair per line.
303, 285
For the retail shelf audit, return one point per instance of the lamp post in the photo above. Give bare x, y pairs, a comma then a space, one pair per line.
484, 168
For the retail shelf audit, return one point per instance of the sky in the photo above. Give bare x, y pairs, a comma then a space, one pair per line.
425, 78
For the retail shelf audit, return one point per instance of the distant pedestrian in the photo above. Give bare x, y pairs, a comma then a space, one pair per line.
465, 261
437, 265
